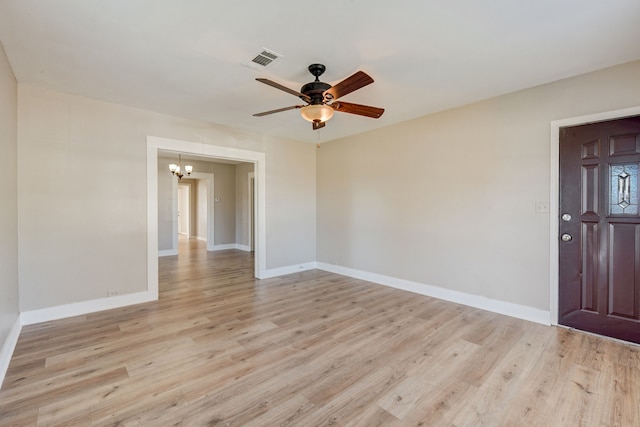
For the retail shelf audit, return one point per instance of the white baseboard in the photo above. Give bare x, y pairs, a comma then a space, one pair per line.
289, 269
222, 247
168, 252
84, 307
502, 307
227, 246
8, 347
202, 239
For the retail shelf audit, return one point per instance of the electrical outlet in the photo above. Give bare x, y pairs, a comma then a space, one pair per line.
112, 293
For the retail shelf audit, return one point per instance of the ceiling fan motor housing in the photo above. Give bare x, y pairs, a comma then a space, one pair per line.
315, 91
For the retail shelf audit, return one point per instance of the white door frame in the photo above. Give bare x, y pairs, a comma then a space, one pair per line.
554, 192
154, 144
188, 204
252, 203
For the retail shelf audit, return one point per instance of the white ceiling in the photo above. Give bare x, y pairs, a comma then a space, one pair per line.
184, 57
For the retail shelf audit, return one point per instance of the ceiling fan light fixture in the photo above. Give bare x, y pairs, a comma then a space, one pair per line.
316, 112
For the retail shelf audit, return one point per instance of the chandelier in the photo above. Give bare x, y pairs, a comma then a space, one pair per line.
176, 169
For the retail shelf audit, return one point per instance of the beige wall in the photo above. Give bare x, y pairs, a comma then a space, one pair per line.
448, 199
8, 199
297, 172
445, 200
83, 162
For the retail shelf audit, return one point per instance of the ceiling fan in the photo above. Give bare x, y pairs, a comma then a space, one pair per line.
322, 98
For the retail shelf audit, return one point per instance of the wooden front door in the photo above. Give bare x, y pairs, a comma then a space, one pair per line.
599, 235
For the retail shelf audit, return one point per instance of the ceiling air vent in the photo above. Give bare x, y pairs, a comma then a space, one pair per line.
263, 59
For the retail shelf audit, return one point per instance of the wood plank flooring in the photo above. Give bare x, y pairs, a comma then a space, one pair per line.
310, 349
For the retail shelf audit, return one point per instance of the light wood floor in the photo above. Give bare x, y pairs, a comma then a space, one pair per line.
310, 349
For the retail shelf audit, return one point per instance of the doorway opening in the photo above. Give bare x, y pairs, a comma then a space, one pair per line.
156, 144
200, 215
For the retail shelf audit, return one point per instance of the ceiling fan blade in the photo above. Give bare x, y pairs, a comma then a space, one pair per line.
284, 88
265, 113
348, 85
318, 125
361, 110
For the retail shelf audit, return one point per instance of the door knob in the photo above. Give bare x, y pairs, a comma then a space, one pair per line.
566, 237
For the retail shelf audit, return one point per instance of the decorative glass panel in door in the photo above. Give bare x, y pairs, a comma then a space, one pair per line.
623, 187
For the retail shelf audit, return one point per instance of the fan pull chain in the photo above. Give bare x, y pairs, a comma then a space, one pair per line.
318, 143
